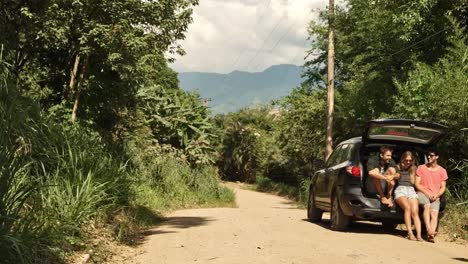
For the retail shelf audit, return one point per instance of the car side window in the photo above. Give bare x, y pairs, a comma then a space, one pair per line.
335, 157
344, 156
351, 152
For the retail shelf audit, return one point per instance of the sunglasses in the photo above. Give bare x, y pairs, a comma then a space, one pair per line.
408, 160
431, 155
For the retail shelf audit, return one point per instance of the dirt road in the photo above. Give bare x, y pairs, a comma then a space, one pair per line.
268, 229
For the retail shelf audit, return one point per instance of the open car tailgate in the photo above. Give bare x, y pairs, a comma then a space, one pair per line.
403, 130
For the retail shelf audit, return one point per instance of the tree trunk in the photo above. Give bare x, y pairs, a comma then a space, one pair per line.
73, 73
330, 83
84, 68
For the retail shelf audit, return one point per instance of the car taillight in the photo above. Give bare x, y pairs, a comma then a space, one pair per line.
354, 171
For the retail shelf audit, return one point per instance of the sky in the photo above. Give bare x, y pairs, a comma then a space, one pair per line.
247, 35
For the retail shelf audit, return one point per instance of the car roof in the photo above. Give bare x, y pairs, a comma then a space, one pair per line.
352, 140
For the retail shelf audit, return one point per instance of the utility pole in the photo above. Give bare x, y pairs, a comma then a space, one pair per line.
331, 75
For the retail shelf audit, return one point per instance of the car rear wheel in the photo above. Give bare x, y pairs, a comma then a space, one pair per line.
313, 213
339, 221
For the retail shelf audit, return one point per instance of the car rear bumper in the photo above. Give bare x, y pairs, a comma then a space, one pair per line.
355, 204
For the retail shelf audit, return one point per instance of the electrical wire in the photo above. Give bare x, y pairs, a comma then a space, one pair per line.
415, 44
292, 62
277, 42
225, 79
264, 41
245, 49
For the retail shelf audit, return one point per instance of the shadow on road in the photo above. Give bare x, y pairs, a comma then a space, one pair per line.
287, 208
291, 203
154, 232
185, 221
362, 227
178, 222
288, 205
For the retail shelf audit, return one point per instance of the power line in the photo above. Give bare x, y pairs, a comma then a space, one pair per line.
295, 57
262, 46
283, 36
393, 54
279, 40
264, 41
243, 51
415, 44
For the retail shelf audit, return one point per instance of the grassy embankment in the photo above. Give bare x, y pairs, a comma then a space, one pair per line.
63, 190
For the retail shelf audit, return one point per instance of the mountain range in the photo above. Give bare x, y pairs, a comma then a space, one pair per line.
238, 89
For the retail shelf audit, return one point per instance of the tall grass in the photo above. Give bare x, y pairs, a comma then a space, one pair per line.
52, 179
82, 182
70, 201
456, 221
458, 188
298, 193
18, 229
168, 183
56, 177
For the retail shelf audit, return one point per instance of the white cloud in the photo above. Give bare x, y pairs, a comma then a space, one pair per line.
248, 35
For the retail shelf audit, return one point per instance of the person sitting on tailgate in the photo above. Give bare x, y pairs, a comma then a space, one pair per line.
382, 171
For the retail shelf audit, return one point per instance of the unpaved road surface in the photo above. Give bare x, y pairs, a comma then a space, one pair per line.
269, 229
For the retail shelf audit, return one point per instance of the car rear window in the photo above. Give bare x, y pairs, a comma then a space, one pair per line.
403, 133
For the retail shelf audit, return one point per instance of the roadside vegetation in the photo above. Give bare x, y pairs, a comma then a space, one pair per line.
398, 59
97, 140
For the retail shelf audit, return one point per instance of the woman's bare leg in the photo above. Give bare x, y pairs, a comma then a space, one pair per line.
414, 205
405, 205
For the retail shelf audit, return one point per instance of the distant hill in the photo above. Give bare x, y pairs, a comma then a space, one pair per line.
238, 89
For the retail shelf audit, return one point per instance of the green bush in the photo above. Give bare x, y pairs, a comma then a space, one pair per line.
176, 118
175, 184
244, 146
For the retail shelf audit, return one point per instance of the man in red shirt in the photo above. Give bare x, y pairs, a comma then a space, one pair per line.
431, 179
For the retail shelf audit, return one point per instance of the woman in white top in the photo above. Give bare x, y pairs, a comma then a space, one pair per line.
406, 197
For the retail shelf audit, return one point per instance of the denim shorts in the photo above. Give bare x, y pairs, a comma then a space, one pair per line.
407, 191
423, 199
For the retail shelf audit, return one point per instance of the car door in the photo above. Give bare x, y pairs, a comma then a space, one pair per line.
321, 181
337, 163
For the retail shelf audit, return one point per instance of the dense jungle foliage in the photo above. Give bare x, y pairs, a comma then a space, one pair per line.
396, 59
95, 133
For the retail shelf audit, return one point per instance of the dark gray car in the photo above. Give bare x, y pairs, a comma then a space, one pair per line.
343, 187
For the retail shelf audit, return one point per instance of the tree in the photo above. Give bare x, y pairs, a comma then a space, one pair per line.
301, 135
377, 42
439, 93
74, 50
